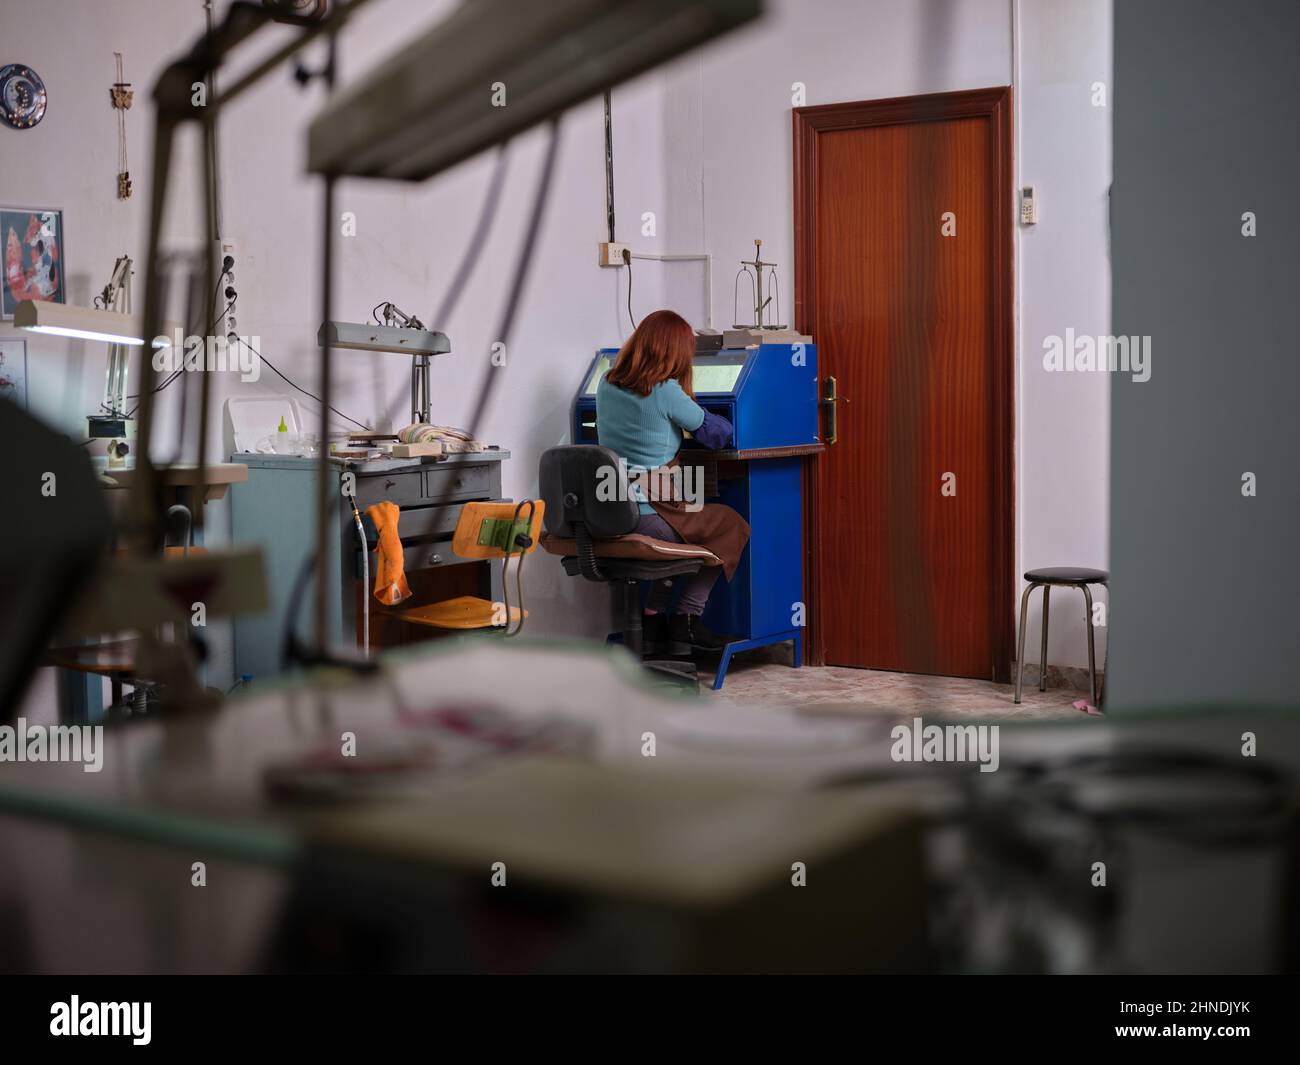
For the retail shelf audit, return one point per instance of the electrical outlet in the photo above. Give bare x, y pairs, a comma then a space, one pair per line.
611, 253
223, 251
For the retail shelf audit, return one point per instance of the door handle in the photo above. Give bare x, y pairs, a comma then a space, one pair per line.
830, 408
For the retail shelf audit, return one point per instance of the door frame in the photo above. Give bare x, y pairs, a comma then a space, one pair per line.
995, 105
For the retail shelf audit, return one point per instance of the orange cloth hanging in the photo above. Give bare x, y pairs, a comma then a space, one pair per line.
390, 576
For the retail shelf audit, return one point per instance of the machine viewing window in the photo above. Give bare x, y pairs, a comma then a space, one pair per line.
717, 373
710, 374
602, 368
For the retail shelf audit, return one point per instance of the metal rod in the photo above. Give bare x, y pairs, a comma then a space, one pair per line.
1092, 656
365, 580
1020, 646
323, 478
331, 24
211, 157
143, 516
209, 311
1042, 657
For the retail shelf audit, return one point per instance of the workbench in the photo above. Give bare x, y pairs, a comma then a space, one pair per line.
275, 509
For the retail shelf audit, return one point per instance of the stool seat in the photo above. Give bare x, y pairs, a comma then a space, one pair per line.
464, 612
1067, 575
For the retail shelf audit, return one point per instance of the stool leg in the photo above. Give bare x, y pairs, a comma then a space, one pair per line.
1092, 655
1020, 652
1042, 656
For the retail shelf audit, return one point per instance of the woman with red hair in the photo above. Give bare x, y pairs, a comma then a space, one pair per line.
643, 406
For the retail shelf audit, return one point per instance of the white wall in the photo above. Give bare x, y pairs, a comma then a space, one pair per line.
409, 240
704, 143
729, 146
1064, 264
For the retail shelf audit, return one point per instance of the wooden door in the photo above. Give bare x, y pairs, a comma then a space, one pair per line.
903, 229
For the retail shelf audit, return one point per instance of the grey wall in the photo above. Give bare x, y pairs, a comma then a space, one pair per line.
1205, 586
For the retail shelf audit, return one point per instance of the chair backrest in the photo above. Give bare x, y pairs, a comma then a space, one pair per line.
586, 484
498, 530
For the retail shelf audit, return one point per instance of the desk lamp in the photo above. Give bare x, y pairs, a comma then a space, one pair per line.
111, 320
400, 333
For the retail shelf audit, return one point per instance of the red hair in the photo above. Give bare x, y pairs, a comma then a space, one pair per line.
662, 348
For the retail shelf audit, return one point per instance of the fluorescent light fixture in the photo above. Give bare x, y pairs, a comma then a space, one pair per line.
367, 337
496, 67
84, 323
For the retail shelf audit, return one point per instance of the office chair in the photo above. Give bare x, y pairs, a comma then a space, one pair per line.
593, 534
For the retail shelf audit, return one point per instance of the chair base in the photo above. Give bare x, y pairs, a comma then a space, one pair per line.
794, 636
673, 671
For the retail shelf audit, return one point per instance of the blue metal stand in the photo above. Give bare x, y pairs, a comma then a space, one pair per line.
748, 645
769, 394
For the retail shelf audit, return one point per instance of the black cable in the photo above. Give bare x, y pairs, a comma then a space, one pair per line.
220, 278
477, 240
176, 373
292, 649
627, 259
487, 213
523, 263
303, 390
521, 541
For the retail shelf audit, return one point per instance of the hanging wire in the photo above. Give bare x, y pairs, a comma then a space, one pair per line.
522, 541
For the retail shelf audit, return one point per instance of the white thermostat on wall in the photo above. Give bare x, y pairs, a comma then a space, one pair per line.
1028, 206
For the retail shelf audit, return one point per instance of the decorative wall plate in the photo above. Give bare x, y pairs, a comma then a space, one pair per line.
22, 96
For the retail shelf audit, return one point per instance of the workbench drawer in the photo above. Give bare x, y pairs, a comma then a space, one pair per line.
404, 489
459, 482
426, 534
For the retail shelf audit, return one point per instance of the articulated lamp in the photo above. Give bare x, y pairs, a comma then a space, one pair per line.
112, 322
402, 334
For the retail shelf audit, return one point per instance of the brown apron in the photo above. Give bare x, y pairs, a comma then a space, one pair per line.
715, 526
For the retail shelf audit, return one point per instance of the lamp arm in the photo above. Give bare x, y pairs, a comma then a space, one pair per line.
393, 313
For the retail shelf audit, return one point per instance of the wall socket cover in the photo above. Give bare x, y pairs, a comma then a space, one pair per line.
611, 253
220, 249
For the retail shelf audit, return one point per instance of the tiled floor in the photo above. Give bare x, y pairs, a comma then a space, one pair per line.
758, 678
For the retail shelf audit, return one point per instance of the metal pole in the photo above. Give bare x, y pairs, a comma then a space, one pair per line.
209, 310
323, 479
144, 520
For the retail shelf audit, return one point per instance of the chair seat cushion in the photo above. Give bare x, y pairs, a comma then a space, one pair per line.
1066, 575
635, 546
634, 569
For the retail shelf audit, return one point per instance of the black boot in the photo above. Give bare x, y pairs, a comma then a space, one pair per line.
690, 630
654, 634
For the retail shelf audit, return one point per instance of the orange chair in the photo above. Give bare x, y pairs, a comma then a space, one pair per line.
486, 531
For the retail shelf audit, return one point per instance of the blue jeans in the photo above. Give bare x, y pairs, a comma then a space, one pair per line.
697, 586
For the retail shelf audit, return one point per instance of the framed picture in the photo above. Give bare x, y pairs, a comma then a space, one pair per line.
34, 266
13, 370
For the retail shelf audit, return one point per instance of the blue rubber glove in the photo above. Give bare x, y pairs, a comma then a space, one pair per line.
714, 433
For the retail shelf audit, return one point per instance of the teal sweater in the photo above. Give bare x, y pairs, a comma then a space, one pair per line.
645, 431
